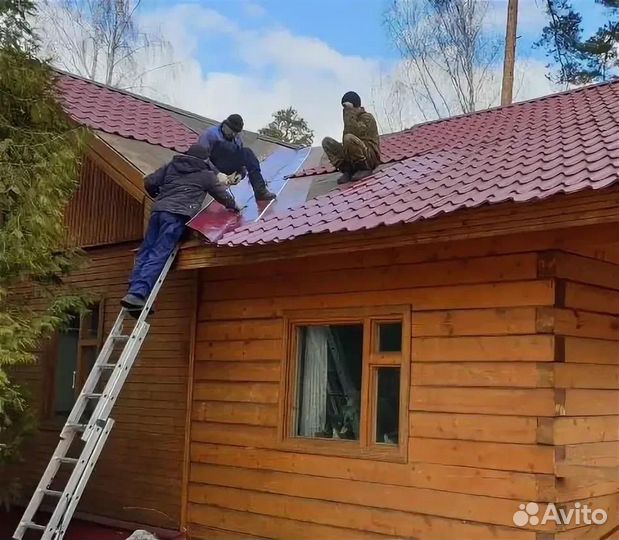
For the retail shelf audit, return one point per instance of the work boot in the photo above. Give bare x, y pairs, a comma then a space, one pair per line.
135, 313
264, 194
133, 302
261, 192
344, 178
360, 175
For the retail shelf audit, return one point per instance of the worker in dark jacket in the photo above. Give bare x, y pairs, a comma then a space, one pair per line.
179, 188
232, 158
359, 152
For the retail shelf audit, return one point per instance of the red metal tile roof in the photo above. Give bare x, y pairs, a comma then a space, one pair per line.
485, 126
557, 144
120, 113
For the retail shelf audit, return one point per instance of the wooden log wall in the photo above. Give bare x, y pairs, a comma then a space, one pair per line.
585, 431
487, 387
101, 212
139, 475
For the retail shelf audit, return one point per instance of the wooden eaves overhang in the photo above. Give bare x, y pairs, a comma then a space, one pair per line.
127, 161
118, 167
587, 212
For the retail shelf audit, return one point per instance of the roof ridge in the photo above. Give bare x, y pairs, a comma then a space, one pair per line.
167, 107
515, 104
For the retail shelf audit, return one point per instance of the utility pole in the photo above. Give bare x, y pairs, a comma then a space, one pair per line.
510, 53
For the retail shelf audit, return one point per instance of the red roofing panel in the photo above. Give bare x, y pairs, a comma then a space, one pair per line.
113, 111
214, 220
557, 144
545, 115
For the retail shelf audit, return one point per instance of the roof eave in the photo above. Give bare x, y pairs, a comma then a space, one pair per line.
581, 209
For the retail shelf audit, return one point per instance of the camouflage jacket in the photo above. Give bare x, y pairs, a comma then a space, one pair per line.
362, 124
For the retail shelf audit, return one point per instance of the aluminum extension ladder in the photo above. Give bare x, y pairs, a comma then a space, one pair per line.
94, 430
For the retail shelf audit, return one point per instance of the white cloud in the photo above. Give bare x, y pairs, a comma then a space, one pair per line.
397, 107
530, 80
184, 25
272, 68
254, 10
531, 17
279, 69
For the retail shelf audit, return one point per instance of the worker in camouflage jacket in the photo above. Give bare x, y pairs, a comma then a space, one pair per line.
359, 152
179, 189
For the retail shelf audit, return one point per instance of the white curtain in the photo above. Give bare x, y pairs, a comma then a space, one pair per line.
314, 382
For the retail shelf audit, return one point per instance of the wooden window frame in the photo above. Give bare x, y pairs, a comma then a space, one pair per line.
85, 342
50, 356
365, 447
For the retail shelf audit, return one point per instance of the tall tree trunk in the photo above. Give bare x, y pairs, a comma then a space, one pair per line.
507, 87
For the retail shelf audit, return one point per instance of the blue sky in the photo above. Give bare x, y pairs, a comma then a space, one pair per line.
353, 27
254, 57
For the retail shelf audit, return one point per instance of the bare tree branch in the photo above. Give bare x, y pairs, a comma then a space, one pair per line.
447, 54
101, 40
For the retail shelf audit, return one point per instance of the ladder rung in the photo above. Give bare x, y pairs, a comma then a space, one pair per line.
96, 430
68, 460
33, 525
52, 492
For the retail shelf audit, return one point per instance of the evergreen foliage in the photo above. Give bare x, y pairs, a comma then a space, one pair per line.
288, 126
580, 59
39, 163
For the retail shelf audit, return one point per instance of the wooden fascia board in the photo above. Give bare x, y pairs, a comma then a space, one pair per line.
565, 211
121, 170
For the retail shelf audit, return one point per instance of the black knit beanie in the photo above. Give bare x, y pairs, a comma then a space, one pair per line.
352, 97
199, 151
234, 122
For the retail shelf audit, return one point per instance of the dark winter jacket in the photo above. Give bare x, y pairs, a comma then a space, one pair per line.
181, 185
222, 149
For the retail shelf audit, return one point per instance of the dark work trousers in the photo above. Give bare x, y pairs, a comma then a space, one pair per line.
165, 229
230, 162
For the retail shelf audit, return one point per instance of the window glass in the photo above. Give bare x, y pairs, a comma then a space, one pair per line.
387, 405
90, 323
73, 359
329, 384
390, 337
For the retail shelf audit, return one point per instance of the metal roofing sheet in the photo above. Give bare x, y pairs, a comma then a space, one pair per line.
557, 144
215, 220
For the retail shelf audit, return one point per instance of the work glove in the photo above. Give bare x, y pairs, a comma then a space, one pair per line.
222, 178
233, 179
231, 204
348, 105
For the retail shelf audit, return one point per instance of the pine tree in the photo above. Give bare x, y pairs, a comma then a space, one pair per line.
288, 126
581, 60
39, 163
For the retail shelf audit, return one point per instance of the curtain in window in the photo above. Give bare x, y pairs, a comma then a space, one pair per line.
313, 411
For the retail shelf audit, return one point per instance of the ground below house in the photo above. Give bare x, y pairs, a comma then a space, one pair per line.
78, 530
